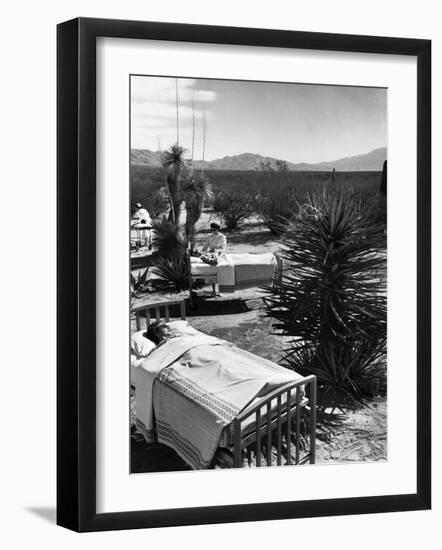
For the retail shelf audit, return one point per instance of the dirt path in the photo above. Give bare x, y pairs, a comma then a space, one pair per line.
362, 437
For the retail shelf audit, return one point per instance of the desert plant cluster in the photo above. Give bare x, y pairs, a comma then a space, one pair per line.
332, 297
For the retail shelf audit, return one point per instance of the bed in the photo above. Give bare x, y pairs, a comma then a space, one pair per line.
237, 271
217, 405
140, 235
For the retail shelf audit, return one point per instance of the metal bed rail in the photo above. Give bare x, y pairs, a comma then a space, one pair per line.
267, 426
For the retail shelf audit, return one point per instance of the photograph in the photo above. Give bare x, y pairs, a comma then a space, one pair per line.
258, 274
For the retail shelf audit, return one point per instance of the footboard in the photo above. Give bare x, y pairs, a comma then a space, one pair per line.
277, 431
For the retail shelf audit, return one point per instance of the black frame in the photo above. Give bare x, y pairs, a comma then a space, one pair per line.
76, 293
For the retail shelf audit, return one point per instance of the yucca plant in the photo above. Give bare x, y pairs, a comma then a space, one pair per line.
175, 165
170, 262
138, 282
172, 273
332, 295
195, 192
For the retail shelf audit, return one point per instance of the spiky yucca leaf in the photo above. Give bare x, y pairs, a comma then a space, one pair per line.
348, 373
167, 237
172, 273
173, 158
175, 165
139, 281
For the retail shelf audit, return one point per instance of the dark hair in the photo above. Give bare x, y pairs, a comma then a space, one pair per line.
215, 225
151, 332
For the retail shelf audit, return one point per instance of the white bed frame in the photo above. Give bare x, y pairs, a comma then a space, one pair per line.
213, 278
272, 432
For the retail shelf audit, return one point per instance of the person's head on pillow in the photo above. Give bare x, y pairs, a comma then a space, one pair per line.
157, 332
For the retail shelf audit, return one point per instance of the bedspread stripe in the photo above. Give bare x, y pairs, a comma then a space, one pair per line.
218, 407
188, 452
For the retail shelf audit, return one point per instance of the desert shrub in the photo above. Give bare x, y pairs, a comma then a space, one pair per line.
278, 203
376, 205
332, 295
170, 262
152, 195
233, 207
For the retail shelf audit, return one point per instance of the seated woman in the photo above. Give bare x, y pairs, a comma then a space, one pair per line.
216, 242
216, 245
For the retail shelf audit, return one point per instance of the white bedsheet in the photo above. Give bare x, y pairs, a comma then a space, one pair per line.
231, 266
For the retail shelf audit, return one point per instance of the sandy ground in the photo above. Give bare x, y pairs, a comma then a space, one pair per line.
240, 318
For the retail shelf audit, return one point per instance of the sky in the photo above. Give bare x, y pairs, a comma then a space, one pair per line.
294, 122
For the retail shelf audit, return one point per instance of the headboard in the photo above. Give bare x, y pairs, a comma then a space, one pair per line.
153, 312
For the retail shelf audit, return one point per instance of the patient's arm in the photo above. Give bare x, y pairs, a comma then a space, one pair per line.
136, 361
223, 245
206, 247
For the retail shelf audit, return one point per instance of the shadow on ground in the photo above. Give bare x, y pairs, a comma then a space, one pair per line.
250, 238
203, 306
46, 513
152, 457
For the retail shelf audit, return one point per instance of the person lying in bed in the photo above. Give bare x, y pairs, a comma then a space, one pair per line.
144, 342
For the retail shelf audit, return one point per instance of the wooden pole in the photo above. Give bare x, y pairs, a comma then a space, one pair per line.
177, 116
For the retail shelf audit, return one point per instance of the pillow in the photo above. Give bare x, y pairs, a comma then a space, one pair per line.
140, 347
180, 328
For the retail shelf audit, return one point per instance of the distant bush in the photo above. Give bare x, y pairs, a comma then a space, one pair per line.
146, 181
332, 299
276, 205
147, 187
233, 208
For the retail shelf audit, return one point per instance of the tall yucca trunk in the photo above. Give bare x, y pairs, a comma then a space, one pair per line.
174, 164
195, 192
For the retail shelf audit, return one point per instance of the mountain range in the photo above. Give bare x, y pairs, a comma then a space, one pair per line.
371, 161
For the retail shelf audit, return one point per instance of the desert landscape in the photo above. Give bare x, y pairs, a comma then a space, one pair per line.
357, 434
308, 290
